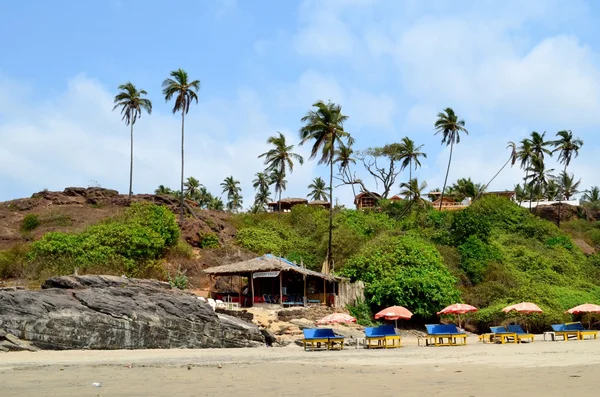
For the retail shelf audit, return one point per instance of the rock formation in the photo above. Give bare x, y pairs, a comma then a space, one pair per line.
108, 312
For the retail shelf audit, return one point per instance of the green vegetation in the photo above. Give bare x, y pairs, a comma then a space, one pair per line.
30, 222
209, 240
132, 244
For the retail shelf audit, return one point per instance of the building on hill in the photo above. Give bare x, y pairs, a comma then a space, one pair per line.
449, 203
395, 198
320, 203
366, 200
286, 204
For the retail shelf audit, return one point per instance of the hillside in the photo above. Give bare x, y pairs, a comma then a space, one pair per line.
491, 254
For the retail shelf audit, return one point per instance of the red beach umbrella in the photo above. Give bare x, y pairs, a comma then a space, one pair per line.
337, 318
523, 307
458, 309
585, 308
394, 313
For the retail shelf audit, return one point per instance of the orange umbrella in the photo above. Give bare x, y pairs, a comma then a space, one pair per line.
585, 308
458, 309
394, 313
337, 318
523, 307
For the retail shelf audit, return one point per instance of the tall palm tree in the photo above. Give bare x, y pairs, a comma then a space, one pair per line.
552, 190
520, 193
261, 182
280, 156
464, 188
567, 185
539, 144
409, 154
324, 126
216, 204
131, 103
512, 159
235, 202
204, 197
277, 178
413, 191
525, 154
450, 127
163, 190
318, 190
231, 187
184, 91
344, 158
192, 188
567, 148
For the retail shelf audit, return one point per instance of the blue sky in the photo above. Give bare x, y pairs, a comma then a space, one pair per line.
507, 68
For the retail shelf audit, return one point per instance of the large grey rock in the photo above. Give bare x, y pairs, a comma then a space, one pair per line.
105, 312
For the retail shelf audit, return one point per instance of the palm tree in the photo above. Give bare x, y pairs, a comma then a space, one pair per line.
552, 190
567, 185
231, 187
235, 202
216, 204
192, 188
409, 154
318, 190
163, 190
512, 159
450, 127
525, 153
132, 104
592, 196
520, 193
539, 176
343, 158
567, 148
204, 197
184, 91
261, 185
277, 178
413, 191
464, 188
324, 126
280, 156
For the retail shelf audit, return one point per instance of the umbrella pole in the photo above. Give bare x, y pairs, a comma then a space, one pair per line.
396, 323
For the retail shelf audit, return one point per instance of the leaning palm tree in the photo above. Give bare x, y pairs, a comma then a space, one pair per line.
344, 158
525, 154
280, 157
192, 188
512, 159
231, 187
324, 127
450, 127
567, 148
184, 91
567, 185
413, 191
409, 154
132, 104
163, 190
278, 180
318, 190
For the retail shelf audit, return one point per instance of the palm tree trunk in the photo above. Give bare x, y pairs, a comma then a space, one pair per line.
494, 177
329, 256
447, 172
279, 207
560, 196
182, 169
131, 163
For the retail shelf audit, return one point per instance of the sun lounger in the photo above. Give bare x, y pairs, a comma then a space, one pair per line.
503, 335
319, 336
384, 336
444, 335
562, 330
520, 333
582, 332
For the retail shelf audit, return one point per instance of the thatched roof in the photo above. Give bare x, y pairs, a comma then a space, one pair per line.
290, 200
320, 202
266, 263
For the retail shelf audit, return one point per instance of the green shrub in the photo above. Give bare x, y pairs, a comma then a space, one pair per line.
13, 261
209, 240
475, 257
362, 313
560, 241
261, 241
30, 222
467, 223
404, 270
179, 280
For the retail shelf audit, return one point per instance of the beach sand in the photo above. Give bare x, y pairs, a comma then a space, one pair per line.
534, 369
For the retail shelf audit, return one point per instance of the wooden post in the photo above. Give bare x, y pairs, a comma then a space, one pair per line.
325, 292
252, 288
240, 296
210, 284
281, 288
305, 297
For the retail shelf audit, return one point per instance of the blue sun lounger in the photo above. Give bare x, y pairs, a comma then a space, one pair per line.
385, 337
503, 335
319, 336
438, 334
520, 333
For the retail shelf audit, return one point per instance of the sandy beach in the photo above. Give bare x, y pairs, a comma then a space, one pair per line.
540, 368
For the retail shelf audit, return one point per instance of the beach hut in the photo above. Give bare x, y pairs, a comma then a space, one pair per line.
366, 200
286, 204
276, 280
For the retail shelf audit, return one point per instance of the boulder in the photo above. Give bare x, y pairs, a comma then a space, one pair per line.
107, 312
